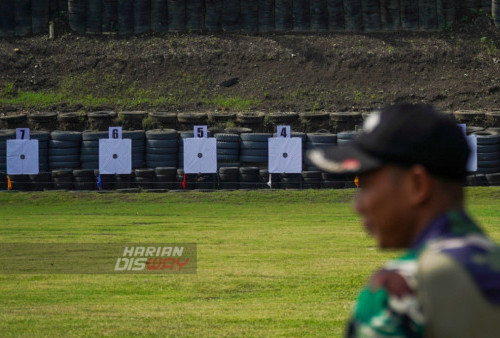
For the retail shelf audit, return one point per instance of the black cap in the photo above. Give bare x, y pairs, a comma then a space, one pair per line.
403, 135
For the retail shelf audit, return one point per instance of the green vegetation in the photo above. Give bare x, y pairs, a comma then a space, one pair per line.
270, 263
231, 103
489, 46
92, 91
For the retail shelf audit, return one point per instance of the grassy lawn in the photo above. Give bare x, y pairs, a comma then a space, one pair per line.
270, 263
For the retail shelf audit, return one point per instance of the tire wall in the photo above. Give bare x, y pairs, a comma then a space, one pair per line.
27, 17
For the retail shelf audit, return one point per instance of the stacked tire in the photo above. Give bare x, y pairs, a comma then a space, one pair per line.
291, 181
333, 181
188, 120
7, 134
180, 155
318, 140
254, 147
106, 181
228, 148
251, 120
311, 179
249, 177
345, 121
64, 149
161, 148
43, 138
190, 180
124, 181
89, 156
165, 177
138, 145
63, 179
41, 181
144, 178
205, 182
21, 182
229, 178
488, 155
84, 179
346, 137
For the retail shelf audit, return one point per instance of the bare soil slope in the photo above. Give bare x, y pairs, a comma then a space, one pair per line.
454, 69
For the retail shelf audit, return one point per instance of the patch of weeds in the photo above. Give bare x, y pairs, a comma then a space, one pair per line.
231, 103
149, 123
358, 95
298, 95
315, 107
489, 46
8, 90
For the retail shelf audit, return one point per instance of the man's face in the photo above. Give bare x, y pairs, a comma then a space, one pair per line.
383, 204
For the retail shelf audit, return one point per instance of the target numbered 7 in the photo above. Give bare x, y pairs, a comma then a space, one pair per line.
22, 133
115, 133
283, 131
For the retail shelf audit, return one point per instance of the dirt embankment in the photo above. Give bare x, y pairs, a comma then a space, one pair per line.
334, 72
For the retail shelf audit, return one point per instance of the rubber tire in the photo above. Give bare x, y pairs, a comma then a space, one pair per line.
156, 164
83, 173
224, 151
134, 135
253, 159
64, 165
64, 144
162, 143
249, 170
66, 135
63, 151
229, 170
158, 134
167, 171
161, 151
94, 136
89, 151
489, 164
259, 137
493, 179
64, 158
488, 156
347, 135
487, 137
254, 152
228, 145
254, 145
490, 148
321, 138
311, 174
227, 137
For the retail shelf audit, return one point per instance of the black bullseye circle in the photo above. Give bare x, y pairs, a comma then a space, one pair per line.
285, 155
200, 155
22, 157
115, 156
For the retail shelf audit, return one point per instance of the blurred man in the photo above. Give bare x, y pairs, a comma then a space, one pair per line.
411, 164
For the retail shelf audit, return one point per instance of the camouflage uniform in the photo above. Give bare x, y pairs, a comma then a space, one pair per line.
391, 304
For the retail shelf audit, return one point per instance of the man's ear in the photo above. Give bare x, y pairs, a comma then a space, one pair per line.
419, 185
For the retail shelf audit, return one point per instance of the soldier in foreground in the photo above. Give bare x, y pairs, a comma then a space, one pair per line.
411, 165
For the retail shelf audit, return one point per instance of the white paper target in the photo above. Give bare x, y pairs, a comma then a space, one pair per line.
472, 160
22, 157
285, 155
200, 155
115, 156
472, 143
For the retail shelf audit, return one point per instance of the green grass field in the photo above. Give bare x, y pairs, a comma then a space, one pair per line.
270, 263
